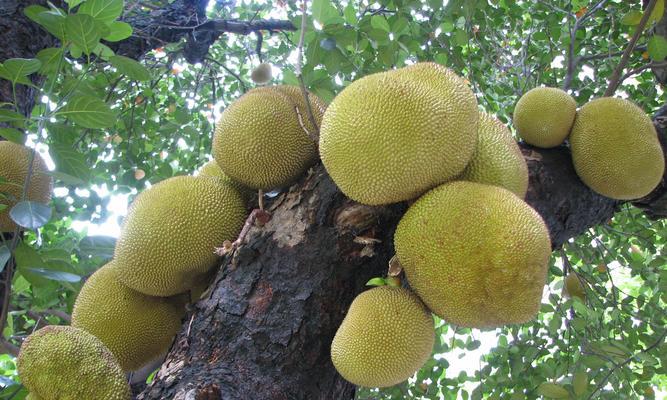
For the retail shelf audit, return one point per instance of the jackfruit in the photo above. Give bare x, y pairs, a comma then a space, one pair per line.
261, 74
64, 363
497, 160
615, 149
212, 169
475, 254
573, 287
260, 140
386, 336
14, 160
169, 235
543, 116
32, 396
136, 328
391, 136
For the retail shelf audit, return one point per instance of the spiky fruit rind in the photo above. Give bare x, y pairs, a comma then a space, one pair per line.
317, 105
497, 160
389, 137
386, 336
543, 116
14, 162
260, 141
171, 230
212, 169
136, 327
615, 149
475, 254
66, 363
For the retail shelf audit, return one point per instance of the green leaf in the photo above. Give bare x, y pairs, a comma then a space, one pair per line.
5, 74
82, 31
13, 135
376, 282
74, 3
18, 67
12, 117
380, 22
70, 162
32, 12
103, 51
50, 58
350, 14
98, 246
325, 13
118, 31
460, 37
5, 255
657, 48
89, 112
131, 68
30, 214
106, 11
632, 18
580, 382
54, 22
553, 391
53, 275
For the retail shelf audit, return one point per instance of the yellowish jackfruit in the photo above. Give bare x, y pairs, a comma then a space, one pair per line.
136, 328
32, 396
386, 336
212, 169
475, 254
14, 160
66, 363
391, 136
260, 140
543, 116
573, 287
497, 160
615, 149
171, 230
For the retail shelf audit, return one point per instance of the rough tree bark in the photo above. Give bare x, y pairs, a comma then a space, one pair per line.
264, 328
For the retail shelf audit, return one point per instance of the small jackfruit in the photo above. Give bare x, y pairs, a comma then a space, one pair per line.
171, 230
386, 336
136, 328
497, 160
14, 160
475, 254
391, 136
543, 116
615, 149
260, 140
573, 287
212, 169
261, 74
62, 362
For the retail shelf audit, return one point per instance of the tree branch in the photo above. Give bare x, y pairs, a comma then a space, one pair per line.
8, 348
615, 79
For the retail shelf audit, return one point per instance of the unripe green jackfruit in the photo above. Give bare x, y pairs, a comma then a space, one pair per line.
544, 116
212, 169
391, 136
260, 140
386, 336
169, 235
66, 363
475, 254
14, 160
497, 160
136, 328
615, 149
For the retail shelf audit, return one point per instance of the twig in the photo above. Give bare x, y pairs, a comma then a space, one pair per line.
299, 75
615, 79
637, 70
232, 73
8, 347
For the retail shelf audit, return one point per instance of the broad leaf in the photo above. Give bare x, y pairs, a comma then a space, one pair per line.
89, 112
131, 68
70, 162
82, 30
30, 214
552, 391
54, 275
50, 58
12, 117
580, 383
106, 11
19, 67
118, 31
13, 135
657, 48
53, 22
98, 246
74, 3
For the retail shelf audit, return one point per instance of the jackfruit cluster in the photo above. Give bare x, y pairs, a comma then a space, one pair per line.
62, 362
263, 139
14, 165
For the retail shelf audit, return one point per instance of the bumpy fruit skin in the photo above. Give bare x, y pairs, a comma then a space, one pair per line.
136, 328
32, 396
475, 254
573, 288
171, 230
391, 136
259, 141
66, 363
14, 160
212, 169
386, 336
497, 160
615, 149
543, 116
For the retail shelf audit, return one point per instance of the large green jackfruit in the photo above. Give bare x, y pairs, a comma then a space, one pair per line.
475, 254
260, 140
615, 149
544, 116
136, 327
14, 162
386, 336
391, 136
212, 169
168, 238
66, 363
497, 160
